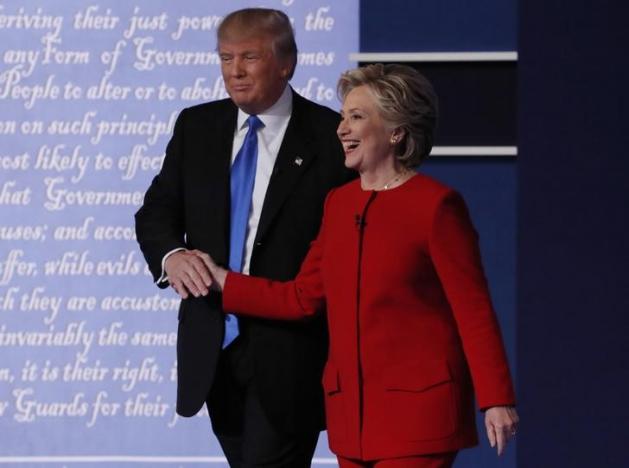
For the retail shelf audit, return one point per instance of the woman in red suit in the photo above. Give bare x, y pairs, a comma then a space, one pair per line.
413, 335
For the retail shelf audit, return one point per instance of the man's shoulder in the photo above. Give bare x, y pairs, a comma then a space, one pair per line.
221, 106
301, 104
217, 115
319, 120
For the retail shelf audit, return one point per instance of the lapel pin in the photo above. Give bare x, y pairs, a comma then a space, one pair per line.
298, 161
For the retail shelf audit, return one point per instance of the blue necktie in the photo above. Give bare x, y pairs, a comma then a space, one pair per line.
243, 174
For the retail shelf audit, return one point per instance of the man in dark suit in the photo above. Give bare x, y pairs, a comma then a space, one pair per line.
263, 388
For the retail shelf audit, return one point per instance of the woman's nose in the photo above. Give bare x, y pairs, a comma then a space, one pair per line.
342, 128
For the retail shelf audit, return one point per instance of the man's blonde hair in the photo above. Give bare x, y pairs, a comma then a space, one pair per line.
254, 22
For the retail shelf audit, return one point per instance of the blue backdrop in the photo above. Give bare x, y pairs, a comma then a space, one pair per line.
89, 95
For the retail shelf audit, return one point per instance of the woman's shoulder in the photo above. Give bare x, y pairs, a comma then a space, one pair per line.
428, 195
429, 185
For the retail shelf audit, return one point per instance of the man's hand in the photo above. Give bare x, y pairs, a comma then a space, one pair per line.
501, 423
188, 272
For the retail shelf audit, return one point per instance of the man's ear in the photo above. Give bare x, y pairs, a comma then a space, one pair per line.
285, 70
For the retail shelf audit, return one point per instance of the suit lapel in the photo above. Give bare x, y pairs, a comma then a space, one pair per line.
213, 176
293, 159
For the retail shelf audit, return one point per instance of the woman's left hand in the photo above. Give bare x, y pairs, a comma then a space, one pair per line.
501, 423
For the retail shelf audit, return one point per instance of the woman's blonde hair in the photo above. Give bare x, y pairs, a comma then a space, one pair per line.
406, 101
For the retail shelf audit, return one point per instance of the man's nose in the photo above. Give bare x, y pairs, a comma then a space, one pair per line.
237, 68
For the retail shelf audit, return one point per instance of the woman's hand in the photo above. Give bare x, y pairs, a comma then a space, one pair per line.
501, 423
218, 273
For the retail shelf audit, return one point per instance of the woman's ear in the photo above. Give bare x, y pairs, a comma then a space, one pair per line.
397, 135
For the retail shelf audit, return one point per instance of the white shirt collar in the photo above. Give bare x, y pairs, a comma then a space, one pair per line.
275, 116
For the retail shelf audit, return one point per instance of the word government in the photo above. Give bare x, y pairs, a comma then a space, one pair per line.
58, 198
147, 58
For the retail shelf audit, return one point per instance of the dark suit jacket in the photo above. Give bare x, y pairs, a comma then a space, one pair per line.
187, 205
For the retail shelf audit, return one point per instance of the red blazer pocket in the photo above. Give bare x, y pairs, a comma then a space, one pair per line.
417, 377
419, 401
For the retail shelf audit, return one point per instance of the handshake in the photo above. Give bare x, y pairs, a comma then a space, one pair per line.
193, 272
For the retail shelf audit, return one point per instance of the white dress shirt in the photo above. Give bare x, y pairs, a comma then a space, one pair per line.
270, 137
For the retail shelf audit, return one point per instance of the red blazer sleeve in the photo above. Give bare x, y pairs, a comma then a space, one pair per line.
289, 300
455, 253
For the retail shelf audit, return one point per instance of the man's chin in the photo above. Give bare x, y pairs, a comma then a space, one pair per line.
240, 97
245, 104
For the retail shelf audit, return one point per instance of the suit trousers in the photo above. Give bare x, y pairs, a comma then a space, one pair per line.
246, 435
432, 460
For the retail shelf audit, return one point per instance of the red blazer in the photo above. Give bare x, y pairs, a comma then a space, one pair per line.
410, 319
